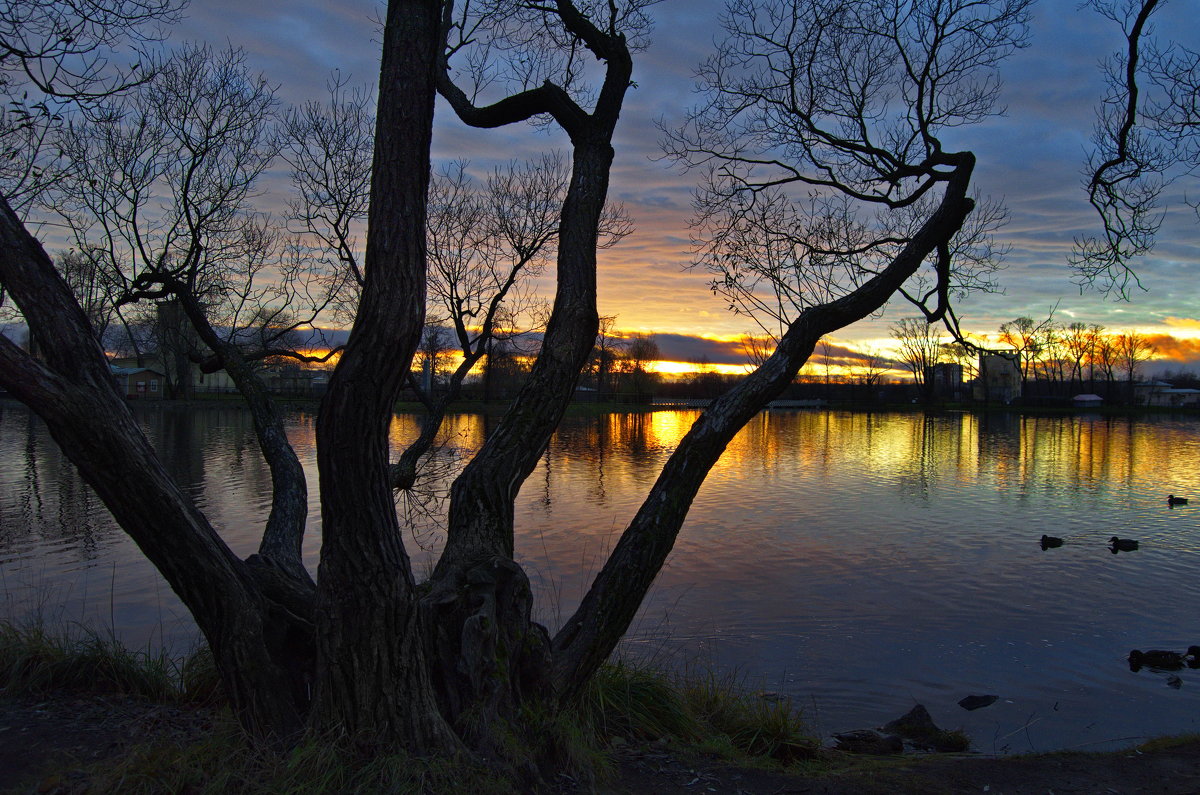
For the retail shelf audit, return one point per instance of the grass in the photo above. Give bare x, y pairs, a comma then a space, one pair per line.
1169, 742
625, 703
717, 714
35, 659
225, 763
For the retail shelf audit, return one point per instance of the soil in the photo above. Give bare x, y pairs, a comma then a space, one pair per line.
47, 744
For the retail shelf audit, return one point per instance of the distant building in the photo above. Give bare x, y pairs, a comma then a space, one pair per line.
1087, 401
139, 383
999, 378
201, 382
1163, 395
944, 381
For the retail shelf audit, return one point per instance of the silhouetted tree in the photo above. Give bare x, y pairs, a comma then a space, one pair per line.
1132, 350
452, 664
920, 347
1147, 137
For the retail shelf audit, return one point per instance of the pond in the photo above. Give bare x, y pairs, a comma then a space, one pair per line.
856, 562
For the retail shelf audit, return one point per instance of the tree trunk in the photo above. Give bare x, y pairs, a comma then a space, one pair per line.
75, 395
372, 675
283, 537
591, 634
490, 655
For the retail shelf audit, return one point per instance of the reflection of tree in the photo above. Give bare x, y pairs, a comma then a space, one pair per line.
52, 504
180, 442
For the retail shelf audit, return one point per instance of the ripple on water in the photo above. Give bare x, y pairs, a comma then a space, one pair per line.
856, 562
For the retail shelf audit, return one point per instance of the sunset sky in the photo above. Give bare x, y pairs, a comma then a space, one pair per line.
1032, 158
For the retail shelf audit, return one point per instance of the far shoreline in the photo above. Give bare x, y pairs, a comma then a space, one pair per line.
589, 408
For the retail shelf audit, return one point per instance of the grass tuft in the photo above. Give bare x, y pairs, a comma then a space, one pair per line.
717, 713
634, 702
35, 660
751, 724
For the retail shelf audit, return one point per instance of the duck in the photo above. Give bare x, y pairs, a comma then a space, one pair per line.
1051, 542
1122, 544
1157, 658
1173, 500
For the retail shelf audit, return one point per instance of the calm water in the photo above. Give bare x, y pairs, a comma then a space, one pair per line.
857, 562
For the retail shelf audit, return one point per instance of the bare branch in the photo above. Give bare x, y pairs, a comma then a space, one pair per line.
1147, 136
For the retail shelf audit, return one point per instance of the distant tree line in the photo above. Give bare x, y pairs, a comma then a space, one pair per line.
1054, 358
619, 367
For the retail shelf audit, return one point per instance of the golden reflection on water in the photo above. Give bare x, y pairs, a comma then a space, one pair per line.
836, 474
1016, 451
818, 536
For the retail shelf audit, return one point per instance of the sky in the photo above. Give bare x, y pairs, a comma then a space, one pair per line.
1031, 159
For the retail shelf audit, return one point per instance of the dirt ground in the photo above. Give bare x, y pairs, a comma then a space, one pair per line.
45, 744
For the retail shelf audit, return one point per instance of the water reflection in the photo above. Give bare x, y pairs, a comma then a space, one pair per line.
859, 561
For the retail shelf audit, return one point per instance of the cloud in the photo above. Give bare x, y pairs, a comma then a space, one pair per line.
688, 348
1031, 157
1182, 351
1182, 322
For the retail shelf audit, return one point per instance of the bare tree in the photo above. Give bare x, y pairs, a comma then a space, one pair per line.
159, 193
921, 347
451, 665
804, 95
757, 348
607, 349
329, 147
70, 387
964, 355
1027, 337
487, 240
92, 285
547, 82
432, 356
873, 366
1132, 350
1078, 341
1106, 356
57, 55
1147, 136
486, 244
634, 364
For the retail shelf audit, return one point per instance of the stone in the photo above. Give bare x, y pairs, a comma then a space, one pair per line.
917, 723
977, 702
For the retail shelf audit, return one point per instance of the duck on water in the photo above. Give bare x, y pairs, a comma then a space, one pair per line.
1164, 660
1122, 545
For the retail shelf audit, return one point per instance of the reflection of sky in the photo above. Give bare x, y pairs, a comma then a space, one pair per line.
1031, 157
856, 561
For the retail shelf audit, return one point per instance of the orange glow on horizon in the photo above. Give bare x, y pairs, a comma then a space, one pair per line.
667, 367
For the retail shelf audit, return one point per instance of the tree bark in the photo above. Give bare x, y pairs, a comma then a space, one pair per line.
372, 676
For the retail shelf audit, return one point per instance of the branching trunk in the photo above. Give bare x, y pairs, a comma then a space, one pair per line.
491, 656
592, 633
283, 538
481, 499
74, 393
